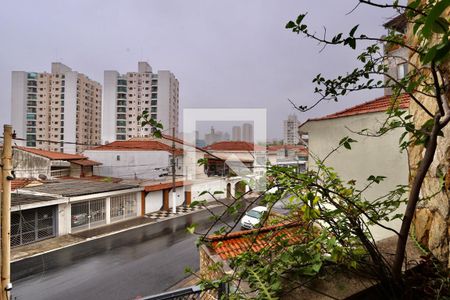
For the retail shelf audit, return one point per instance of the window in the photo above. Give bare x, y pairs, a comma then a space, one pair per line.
118, 157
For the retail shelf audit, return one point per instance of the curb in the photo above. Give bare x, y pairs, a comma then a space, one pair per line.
112, 233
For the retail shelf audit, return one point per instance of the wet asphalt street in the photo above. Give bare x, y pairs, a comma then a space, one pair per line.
138, 262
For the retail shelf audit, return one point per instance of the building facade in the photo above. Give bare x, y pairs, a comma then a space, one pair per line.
236, 134
247, 133
57, 111
290, 131
126, 96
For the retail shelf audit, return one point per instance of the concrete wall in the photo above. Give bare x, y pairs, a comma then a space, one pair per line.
211, 185
153, 201
109, 113
70, 111
28, 165
19, 104
131, 164
369, 156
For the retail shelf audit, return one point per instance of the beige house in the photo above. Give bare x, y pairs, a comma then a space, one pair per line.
369, 156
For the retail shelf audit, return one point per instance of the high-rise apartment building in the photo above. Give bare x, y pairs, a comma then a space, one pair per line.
236, 133
290, 132
57, 111
247, 133
126, 96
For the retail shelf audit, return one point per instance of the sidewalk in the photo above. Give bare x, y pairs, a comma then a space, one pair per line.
52, 244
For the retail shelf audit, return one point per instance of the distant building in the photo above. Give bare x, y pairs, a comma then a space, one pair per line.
290, 130
398, 57
247, 133
236, 134
49, 109
213, 136
126, 96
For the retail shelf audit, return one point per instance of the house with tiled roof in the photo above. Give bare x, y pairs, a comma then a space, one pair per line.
31, 163
288, 155
369, 155
135, 159
223, 156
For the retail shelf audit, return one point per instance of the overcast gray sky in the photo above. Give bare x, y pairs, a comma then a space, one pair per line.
230, 53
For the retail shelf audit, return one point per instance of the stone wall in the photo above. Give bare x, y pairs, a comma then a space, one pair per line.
431, 221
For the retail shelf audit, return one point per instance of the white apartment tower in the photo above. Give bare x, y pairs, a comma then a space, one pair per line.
57, 111
247, 133
127, 96
291, 136
236, 134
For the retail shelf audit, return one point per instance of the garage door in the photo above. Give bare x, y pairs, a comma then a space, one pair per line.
32, 225
88, 214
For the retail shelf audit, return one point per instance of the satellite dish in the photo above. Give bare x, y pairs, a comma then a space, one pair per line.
42, 177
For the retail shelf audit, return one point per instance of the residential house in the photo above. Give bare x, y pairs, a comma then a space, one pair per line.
43, 164
369, 156
73, 205
288, 155
135, 159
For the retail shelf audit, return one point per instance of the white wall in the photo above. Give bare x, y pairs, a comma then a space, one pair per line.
64, 219
211, 186
70, 111
153, 201
109, 112
19, 104
180, 196
142, 164
369, 156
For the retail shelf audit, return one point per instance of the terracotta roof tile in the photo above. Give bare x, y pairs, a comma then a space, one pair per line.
85, 162
236, 243
163, 186
299, 148
52, 154
136, 145
234, 146
378, 105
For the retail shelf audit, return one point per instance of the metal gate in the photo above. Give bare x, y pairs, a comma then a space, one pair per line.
123, 207
32, 225
88, 214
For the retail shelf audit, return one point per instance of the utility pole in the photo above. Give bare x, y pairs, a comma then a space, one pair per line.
174, 186
6, 213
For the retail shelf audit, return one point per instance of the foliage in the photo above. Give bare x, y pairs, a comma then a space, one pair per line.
334, 215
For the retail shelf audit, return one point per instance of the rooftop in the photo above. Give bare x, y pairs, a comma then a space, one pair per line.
381, 104
136, 145
23, 199
236, 243
299, 148
52, 155
73, 188
85, 162
163, 185
234, 146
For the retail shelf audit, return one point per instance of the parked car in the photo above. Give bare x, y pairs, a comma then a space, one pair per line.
79, 219
253, 217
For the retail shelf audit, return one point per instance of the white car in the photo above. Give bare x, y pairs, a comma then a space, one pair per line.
253, 217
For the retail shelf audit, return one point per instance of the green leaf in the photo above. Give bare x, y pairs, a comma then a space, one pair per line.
300, 19
433, 15
191, 228
352, 32
290, 24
